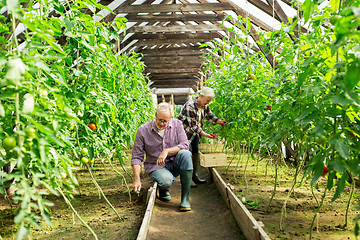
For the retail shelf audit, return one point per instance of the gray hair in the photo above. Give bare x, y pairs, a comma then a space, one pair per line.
165, 108
207, 92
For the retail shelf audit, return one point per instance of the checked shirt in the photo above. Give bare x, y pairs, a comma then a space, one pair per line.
192, 121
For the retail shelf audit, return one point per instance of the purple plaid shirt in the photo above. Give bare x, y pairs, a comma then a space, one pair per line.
192, 124
149, 141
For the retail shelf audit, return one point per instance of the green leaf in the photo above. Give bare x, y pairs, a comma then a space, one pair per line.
340, 187
318, 170
308, 8
352, 75
2, 110
342, 148
69, 24
23, 231
335, 4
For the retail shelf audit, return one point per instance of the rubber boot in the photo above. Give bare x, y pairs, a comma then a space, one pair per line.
164, 195
196, 162
185, 179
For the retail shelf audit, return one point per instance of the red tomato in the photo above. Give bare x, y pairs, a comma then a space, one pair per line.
222, 123
92, 126
268, 107
325, 171
352, 134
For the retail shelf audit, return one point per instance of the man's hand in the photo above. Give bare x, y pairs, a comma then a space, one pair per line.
211, 136
137, 186
137, 182
161, 159
221, 122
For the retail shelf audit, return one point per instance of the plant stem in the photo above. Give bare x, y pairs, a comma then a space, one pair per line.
74, 211
275, 185
317, 212
14, 34
349, 202
123, 177
283, 209
312, 191
101, 191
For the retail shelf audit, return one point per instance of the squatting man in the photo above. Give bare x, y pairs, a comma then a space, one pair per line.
164, 141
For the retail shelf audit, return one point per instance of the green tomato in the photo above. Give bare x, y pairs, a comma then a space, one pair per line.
252, 76
320, 140
83, 77
9, 143
30, 132
250, 82
84, 151
76, 163
334, 19
43, 93
103, 46
84, 160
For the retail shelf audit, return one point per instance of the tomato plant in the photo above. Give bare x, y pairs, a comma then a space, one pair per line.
314, 91
49, 91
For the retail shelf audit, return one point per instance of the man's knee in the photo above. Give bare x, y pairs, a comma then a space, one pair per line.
186, 159
165, 183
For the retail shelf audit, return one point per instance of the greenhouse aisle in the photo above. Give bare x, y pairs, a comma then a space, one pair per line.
208, 219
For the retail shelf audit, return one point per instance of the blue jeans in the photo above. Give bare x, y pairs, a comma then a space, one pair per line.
166, 176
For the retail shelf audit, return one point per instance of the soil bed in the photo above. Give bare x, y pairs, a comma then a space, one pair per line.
301, 206
94, 210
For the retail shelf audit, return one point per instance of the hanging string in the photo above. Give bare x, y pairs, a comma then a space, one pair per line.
247, 35
273, 57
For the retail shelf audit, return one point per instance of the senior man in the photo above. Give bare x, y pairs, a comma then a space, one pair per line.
164, 141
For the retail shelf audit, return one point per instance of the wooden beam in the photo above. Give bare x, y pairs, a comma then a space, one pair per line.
281, 14
171, 38
170, 41
157, 76
172, 65
182, 50
264, 7
194, 70
269, 57
110, 17
163, 36
172, 59
176, 17
156, 8
174, 84
178, 28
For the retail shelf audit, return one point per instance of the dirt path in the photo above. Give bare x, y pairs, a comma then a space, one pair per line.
208, 219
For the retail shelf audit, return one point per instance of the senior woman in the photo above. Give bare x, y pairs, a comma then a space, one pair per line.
193, 115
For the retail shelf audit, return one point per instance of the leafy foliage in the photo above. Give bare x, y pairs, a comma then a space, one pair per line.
311, 98
57, 90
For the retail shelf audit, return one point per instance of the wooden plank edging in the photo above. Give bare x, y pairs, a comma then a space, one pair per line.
150, 200
251, 229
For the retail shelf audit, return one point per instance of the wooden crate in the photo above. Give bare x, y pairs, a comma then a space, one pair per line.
213, 159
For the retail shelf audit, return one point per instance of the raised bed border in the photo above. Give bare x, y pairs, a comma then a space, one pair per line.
251, 228
150, 201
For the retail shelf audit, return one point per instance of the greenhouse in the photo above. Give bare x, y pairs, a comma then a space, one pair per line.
179, 119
